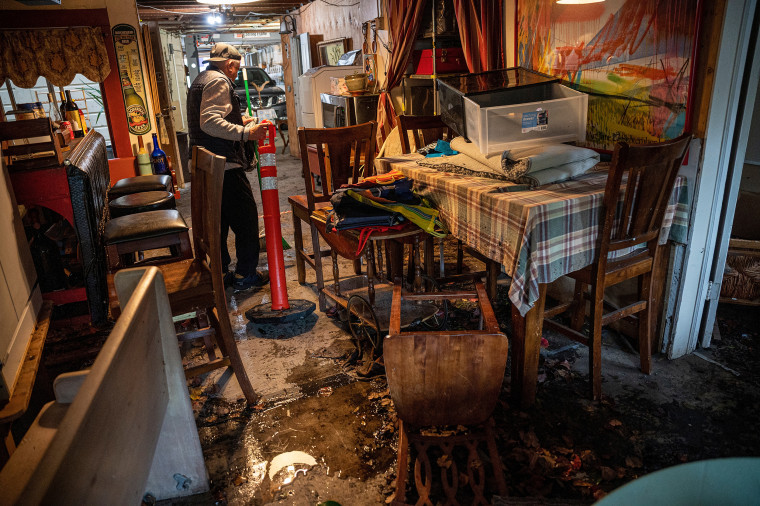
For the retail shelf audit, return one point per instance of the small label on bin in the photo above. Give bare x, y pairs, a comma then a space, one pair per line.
535, 120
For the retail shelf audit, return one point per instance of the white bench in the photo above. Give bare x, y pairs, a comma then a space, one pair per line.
124, 428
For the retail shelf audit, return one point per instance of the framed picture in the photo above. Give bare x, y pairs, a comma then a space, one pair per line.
633, 57
330, 51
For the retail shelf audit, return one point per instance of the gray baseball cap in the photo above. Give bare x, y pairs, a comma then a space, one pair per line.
222, 52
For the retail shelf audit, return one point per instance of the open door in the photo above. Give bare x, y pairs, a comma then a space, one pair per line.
162, 103
743, 132
716, 190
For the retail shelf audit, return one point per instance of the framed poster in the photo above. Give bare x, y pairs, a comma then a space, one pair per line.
132, 78
330, 51
633, 57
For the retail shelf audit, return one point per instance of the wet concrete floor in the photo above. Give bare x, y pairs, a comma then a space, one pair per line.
322, 433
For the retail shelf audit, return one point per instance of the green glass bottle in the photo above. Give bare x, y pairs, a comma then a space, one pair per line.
137, 113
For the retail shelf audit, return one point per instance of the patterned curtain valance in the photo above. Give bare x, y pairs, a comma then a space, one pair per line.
57, 54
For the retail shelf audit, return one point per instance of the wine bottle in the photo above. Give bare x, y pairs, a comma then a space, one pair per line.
55, 115
143, 158
137, 113
72, 114
158, 159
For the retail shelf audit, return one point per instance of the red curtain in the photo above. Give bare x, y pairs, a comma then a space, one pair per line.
404, 18
481, 29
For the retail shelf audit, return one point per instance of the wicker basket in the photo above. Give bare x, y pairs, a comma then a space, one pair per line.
741, 278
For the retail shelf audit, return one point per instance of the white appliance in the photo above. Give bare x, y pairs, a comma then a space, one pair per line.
313, 82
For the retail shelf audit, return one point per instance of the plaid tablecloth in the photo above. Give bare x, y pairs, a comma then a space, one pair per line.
537, 235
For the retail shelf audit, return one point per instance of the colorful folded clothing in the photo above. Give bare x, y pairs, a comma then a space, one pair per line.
388, 203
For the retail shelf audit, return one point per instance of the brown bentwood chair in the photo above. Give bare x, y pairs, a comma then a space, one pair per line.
338, 156
196, 284
634, 211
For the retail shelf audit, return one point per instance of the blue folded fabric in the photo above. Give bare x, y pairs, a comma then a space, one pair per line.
439, 148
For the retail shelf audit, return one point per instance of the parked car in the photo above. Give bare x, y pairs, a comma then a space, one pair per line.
271, 97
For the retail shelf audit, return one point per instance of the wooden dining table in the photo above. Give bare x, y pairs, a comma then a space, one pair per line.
538, 235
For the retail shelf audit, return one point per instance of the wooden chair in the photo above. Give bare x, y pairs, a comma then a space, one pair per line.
633, 215
121, 429
340, 155
446, 378
425, 130
196, 284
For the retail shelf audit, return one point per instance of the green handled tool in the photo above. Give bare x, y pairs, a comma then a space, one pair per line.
285, 244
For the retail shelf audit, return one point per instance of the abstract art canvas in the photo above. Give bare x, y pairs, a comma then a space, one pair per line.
633, 57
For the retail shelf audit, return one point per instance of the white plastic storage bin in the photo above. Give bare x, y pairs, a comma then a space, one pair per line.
561, 118
512, 108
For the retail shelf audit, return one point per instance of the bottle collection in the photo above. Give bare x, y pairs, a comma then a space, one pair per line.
74, 115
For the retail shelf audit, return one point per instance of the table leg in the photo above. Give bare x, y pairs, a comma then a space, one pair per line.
526, 344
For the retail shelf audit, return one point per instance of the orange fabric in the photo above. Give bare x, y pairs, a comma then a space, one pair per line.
404, 19
481, 25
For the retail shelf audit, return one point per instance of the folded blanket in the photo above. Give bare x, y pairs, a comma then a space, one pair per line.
521, 161
464, 165
468, 148
534, 166
558, 174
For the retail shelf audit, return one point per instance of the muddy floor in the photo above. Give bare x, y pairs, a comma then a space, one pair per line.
324, 434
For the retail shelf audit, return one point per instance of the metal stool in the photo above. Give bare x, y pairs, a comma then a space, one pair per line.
141, 202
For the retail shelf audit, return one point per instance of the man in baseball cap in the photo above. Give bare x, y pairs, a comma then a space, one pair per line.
216, 123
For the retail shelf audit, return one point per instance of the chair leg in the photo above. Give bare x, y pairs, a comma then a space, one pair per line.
493, 453
492, 274
358, 266
226, 342
430, 257
298, 237
595, 343
318, 268
460, 256
402, 466
202, 321
579, 309
645, 322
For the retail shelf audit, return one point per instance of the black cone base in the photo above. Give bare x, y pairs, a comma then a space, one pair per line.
263, 313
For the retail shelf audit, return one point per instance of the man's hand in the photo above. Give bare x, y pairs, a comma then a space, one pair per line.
247, 119
257, 133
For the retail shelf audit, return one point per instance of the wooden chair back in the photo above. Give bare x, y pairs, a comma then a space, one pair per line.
206, 208
424, 130
445, 377
634, 214
351, 154
130, 425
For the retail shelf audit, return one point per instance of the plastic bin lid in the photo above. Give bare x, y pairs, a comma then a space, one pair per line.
495, 80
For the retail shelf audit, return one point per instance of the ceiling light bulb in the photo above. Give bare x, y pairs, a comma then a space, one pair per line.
211, 19
224, 2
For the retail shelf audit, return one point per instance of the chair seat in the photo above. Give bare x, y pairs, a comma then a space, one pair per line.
188, 284
622, 268
139, 184
144, 226
300, 201
141, 202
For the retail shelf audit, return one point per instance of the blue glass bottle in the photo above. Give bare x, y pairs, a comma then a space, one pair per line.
158, 159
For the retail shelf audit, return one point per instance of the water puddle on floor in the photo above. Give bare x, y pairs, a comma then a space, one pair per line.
339, 428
